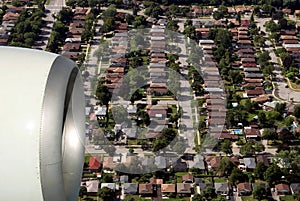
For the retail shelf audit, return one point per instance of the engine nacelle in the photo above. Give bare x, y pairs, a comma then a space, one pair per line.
42, 126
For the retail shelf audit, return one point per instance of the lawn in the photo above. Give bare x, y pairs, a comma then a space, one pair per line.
220, 179
180, 199
295, 86
287, 198
250, 198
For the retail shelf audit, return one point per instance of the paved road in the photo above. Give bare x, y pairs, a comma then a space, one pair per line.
52, 9
189, 118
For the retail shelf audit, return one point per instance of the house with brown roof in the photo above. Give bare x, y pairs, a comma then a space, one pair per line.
213, 162
108, 163
188, 178
282, 189
71, 47
252, 133
184, 189
145, 189
263, 159
244, 188
254, 92
166, 189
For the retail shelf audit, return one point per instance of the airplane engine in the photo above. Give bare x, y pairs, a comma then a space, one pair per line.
42, 126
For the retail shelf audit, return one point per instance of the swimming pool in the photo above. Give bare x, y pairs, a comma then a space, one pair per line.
237, 131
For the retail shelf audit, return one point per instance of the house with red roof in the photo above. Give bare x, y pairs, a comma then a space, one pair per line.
94, 163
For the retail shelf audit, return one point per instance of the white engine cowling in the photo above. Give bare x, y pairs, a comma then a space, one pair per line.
42, 126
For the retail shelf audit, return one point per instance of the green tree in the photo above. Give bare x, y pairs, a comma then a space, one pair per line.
226, 166
209, 193
103, 94
247, 149
172, 25
237, 176
198, 197
296, 112
190, 32
106, 194
142, 118
259, 192
273, 174
259, 170
269, 134
107, 178
227, 147
259, 147
110, 12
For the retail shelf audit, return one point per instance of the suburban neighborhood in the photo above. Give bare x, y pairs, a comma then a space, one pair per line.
185, 100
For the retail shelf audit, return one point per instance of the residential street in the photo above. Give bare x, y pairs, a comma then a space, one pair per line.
283, 92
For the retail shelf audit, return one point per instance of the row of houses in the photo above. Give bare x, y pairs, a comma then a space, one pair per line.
214, 92
188, 181
253, 77
197, 11
72, 46
290, 42
8, 22
157, 67
117, 62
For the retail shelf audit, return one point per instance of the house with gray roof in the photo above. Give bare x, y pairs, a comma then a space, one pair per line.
160, 162
124, 179
205, 185
130, 188
250, 163
178, 165
222, 188
295, 187
198, 162
111, 186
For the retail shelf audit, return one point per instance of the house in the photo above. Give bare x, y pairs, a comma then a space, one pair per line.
92, 187
160, 162
94, 163
108, 163
263, 159
203, 186
156, 181
145, 189
188, 178
213, 162
252, 133
111, 186
184, 189
295, 187
198, 163
222, 188
168, 188
282, 189
157, 111
178, 165
130, 188
250, 163
147, 161
123, 179
244, 188
131, 133
71, 47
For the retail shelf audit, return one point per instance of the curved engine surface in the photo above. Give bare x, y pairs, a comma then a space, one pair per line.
42, 126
